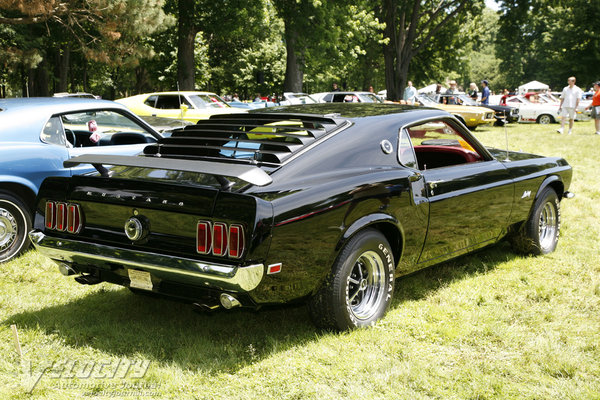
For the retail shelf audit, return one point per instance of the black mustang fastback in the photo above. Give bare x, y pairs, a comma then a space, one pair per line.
326, 203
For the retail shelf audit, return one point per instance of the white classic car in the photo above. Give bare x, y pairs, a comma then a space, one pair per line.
542, 113
581, 113
346, 97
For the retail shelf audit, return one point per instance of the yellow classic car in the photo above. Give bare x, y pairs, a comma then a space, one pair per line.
185, 105
471, 116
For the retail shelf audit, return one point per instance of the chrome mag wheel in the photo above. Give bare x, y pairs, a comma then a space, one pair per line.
366, 285
548, 225
8, 230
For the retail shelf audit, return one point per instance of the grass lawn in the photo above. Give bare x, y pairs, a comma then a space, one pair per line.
493, 325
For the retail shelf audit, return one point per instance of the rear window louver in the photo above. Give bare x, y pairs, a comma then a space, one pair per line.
261, 138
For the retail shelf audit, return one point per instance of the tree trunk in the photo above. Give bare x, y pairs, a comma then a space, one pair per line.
85, 76
389, 51
185, 45
294, 75
63, 69
40, 80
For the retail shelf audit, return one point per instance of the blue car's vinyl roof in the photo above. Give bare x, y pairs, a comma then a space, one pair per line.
53, 105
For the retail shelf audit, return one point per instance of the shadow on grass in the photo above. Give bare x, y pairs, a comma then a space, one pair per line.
123, 324
419, 284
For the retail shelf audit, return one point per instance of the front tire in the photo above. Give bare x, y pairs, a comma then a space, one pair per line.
539, 234
359, 289
15, 223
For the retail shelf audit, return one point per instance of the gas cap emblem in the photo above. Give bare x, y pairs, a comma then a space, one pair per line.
386, 146
134, 229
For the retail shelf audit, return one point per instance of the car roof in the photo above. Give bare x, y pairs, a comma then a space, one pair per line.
26, 116
54, 105
186, 92
358, 110
306, 124
351, 92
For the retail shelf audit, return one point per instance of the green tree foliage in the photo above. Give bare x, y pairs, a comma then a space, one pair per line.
227, 26
549, 40
478, 60
43, 39
419, 27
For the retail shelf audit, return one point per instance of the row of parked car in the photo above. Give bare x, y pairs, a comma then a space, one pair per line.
75, 125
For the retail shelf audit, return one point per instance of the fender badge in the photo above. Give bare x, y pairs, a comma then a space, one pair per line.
526, 193
386, 146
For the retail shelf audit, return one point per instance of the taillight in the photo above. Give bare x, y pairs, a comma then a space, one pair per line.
50, 214
204, 237
63, 217
73, 218
236, 241
219, 239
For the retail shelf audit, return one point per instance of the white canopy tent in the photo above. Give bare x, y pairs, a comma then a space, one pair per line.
533, 86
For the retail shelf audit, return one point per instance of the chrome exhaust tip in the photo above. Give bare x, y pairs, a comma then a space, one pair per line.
66, 269
228, 301
205, 308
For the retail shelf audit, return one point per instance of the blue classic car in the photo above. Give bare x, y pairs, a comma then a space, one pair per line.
38, 134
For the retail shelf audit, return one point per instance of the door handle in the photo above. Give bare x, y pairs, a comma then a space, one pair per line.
415, 177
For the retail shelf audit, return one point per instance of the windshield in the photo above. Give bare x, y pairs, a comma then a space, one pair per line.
207, 101
466, 100
369, 98
426, 100
299, 98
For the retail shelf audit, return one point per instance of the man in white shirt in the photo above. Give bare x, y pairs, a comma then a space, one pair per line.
410, 93
569, 100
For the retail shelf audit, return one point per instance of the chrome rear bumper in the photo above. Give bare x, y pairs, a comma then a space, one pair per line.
225, 277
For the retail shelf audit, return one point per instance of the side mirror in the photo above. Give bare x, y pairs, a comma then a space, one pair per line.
184, 107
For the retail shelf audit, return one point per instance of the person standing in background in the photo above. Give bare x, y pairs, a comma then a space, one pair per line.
473, 91
569, 100
410, 93
595, 106
452, 90
485, 93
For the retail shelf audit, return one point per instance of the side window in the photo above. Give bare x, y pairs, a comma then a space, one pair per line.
328, 98
151, 101
439, 144
168, 102
103, 128
406, 154
53, 132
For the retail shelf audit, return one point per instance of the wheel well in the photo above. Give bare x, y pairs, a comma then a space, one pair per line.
23, 192
393, 236
558, 187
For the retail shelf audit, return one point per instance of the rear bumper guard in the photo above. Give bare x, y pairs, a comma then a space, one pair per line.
226, 277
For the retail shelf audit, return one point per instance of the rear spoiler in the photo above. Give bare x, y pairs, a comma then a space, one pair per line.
248, 173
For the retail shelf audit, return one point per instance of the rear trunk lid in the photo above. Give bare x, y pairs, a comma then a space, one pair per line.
167, 217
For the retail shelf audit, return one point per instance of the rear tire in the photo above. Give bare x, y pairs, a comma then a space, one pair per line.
359, 289
539, 234
545, 119
15, 224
